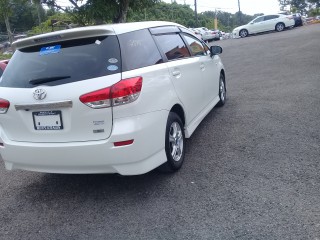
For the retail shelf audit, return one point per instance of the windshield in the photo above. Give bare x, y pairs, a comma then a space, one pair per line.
63, 62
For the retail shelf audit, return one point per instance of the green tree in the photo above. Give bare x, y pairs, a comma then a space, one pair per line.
98, 11
302, 6
5, 13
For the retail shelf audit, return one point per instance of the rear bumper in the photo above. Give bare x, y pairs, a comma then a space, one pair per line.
146, 153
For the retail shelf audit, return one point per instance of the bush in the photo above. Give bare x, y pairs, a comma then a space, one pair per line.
5, 56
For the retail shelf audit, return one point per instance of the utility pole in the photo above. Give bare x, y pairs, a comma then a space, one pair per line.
195, 12
215, 19
239, 12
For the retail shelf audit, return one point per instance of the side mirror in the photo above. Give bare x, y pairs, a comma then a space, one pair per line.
215, 50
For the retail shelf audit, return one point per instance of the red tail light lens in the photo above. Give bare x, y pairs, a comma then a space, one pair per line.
4, 105
126, 91
123, 92
97, 99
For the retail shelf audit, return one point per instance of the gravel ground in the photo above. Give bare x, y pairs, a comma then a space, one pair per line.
251, 169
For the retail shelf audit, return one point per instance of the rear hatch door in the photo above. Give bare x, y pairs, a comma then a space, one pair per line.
43, 84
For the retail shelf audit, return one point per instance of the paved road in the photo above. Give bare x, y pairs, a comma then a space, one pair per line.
251, 170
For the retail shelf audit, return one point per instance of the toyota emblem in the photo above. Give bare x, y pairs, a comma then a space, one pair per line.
39, 94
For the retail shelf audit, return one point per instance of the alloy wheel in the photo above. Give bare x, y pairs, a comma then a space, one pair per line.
176, 141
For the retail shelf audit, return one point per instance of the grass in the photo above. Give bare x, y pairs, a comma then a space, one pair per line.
4, 57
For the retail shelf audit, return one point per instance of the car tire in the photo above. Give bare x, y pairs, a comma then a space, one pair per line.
280, 27
174, 144
243, 33
222, 91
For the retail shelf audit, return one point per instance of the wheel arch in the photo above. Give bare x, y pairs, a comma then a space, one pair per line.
224, 77
275, 27
177, 108
245, 30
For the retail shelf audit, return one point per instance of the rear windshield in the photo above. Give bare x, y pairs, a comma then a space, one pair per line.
63, 62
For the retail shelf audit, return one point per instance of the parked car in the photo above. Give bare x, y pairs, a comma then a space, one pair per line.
116, 98
217, 31
196, 32
208, 35
277, 22
298, 19
3, 65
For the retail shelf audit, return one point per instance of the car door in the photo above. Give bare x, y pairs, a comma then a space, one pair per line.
270, 22
185, 73
208, 66
257, 25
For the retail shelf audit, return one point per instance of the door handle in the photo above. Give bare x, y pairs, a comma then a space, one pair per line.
176, 73
202, 67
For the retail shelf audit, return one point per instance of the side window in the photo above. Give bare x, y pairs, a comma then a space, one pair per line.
266, 18
1, 72
195, 45
270, 17
260, 19
138, 50
172, 46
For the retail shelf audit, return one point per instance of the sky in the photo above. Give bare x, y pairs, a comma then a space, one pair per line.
249, 7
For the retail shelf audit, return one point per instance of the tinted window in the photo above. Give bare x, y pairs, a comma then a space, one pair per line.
195, 46
259, 19
173, 46
1, 72
270, 17
68, 61
138, 50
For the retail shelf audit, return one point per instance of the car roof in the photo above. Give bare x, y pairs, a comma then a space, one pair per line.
90, 31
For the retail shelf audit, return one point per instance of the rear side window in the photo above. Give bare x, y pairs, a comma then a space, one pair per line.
63, 62
173, 46
138, 50
269, 17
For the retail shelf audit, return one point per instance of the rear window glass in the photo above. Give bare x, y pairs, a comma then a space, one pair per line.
63, 62
138, 50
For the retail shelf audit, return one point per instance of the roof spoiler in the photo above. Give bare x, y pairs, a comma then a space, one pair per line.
75, 33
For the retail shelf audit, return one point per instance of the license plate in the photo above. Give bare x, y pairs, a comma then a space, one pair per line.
47, 120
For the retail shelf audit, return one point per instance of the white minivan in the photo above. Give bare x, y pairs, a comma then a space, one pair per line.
116, 98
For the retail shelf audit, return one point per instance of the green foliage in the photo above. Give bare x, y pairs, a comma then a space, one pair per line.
302, 6
178, 13
27, 16
46, 26
5, 56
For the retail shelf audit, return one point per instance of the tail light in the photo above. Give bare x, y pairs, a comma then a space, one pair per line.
4, 105
290, 17
123, 92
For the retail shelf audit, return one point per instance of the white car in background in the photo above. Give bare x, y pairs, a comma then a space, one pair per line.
116, 98
208, 35
275, 22
196, 32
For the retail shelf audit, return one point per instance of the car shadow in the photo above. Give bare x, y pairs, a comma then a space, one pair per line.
48, 188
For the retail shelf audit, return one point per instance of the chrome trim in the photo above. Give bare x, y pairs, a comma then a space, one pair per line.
46, 105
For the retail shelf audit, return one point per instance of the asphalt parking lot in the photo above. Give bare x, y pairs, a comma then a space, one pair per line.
251, 169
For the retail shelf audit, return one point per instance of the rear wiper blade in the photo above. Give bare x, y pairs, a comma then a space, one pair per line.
47, 79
